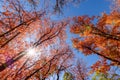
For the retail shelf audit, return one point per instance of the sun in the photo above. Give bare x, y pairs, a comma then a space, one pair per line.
31, 51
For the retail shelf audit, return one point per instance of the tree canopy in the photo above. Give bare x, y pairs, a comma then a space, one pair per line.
34, 47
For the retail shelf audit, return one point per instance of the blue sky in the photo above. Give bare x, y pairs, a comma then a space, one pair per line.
87, 7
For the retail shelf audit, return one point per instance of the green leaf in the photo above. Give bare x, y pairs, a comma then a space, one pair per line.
67, 76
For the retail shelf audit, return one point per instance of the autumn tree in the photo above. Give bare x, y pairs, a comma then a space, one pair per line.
30, 42
113, 74
101, 38
79, 71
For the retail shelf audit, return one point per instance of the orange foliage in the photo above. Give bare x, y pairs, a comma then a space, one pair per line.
20, 30
102, 38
